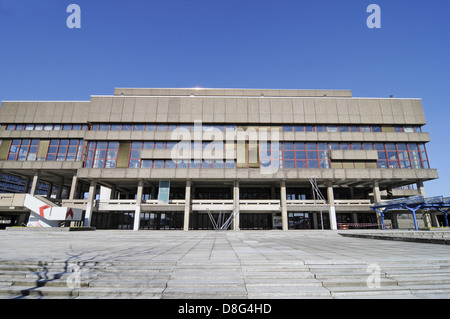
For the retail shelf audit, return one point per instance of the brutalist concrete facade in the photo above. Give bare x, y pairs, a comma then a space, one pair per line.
358, 150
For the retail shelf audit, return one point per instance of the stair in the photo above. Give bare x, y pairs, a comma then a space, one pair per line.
221, 280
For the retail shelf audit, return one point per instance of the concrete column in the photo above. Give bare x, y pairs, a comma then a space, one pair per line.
330, 194
421, 188
34, 184
137, 210
284, 215
187, 206
73, 187
90, 204
236, 207
394, 220
377, 199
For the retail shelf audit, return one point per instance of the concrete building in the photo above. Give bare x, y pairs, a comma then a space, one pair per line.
175, 158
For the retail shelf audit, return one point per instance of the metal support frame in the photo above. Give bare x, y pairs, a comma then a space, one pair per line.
222, 223
413, 204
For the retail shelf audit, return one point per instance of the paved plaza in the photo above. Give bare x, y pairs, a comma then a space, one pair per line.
240, 264
309, 247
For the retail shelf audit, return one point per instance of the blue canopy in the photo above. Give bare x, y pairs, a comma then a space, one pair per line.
414, 203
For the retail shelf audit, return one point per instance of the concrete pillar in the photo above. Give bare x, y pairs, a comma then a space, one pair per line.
137, 210
394, 220
187, 206
330, 194
73, 187
236, 207
90, 203
421, 188
34, 184
284, 215
377, 199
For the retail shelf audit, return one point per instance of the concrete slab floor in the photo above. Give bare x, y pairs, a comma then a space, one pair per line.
230, 247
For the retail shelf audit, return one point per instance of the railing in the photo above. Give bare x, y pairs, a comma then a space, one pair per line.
305, 202
212, 202
339, 202
179, 202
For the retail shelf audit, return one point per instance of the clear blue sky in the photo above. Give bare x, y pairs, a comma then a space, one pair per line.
301, 44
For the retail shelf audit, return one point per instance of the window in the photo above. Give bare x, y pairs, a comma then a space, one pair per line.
332, 129
135, 155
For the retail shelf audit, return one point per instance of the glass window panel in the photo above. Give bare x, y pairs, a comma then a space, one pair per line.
161, 127
126, 127
103, 127
287, 128
148, 145
48, 127
111, 154
324, 164
289, 164
299, 146
332, 129
116, 127
194, 164
309, 128
376, 128
381, 155
409, 129
146, 163
160, 146
76, 127
134, 163
343, 128
368, 146
382, 164
323, 155
345, 146
299, 128
138, 127
288, 146
135, 154
300, 154
311, 146
322, 146
26, 142
29, 127
170, 164
334, 146
405, 164
390, 147
353, 128
312, 155
365, 128
321, 128
300, 164
414, 155
379, 146
11, 127
289, 155
150, 127
426, 165
393, 164
398, 128
313, 164
39, 127
357, 146
136, 145
416, 164
158, 164
392, 155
